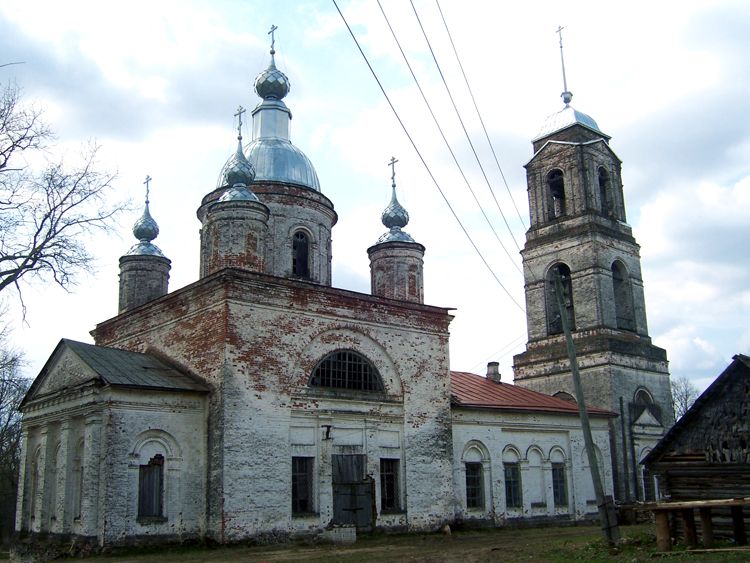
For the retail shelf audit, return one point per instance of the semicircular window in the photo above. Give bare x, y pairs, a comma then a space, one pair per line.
346, 369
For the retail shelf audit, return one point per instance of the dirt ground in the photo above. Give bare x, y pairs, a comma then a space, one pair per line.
579, 543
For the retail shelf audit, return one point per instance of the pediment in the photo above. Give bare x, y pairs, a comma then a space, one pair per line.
63, 370
646, 418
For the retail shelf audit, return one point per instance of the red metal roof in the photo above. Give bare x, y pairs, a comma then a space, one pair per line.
471, 390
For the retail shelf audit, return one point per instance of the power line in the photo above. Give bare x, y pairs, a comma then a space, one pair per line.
463, 126
424, 163
476, 107
445, 140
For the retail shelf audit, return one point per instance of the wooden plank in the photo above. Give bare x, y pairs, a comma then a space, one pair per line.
707, 527
738, 523
663, 536
678, 505
688, 519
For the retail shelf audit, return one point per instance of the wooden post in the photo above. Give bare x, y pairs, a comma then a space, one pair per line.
607, 516
707, 527
688, 518
663, 535
738, 523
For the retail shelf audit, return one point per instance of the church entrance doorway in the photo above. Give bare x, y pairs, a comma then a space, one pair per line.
353, 492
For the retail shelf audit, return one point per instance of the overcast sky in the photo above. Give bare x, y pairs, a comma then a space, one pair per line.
156, 84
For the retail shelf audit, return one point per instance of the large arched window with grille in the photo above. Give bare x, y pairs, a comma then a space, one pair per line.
554, 318
301, 254
347, 369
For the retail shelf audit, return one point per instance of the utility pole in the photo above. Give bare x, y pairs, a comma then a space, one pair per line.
607, 516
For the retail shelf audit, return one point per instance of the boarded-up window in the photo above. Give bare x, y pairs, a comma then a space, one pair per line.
151, 489
346, 369
559, 485
302, 475
474, 485
389, 497
513, 498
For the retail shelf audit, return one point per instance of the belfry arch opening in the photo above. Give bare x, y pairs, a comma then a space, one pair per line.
605, 192
554, 319
556, 187
623, 295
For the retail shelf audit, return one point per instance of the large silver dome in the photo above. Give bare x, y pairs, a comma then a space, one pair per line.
278, 160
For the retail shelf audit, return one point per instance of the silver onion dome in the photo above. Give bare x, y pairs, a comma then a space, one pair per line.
272, 83
238, 192
271, 152
145, 230
395, 217
238, 170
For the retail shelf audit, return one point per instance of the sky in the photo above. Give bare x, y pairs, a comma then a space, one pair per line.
156, 84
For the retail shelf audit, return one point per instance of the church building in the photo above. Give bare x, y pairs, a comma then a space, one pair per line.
260, 402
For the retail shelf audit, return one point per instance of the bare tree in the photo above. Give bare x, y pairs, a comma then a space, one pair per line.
12, 390
684, 394
46, 214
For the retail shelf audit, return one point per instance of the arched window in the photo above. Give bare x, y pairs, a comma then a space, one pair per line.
643, 398
300, 254
554, 320
565, 396
346, 369
512, 478
623, 293
475, 457
151, 489
556, 186
604, 192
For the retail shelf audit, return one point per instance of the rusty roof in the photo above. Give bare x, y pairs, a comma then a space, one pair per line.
471, 390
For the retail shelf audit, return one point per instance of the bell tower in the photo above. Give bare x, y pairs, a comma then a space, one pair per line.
579, 230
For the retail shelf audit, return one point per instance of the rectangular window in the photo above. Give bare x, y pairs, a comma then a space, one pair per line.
513, 498
151, 489
559, 485
474, 485
302, 490
389, 496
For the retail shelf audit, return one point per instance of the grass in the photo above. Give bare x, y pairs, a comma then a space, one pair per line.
563, 544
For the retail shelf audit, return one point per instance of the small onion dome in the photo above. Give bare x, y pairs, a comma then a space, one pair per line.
145, 230
272, 83
238, 170
395, 217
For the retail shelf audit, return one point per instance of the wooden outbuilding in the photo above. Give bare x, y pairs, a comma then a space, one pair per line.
705, 456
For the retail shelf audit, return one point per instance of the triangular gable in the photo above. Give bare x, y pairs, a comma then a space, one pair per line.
63, 369
75, 363
552, 142
646, 418
732, 383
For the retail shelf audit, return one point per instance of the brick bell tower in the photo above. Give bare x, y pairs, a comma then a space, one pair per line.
578, 229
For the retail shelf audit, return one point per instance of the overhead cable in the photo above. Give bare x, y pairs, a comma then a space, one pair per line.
421, 158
